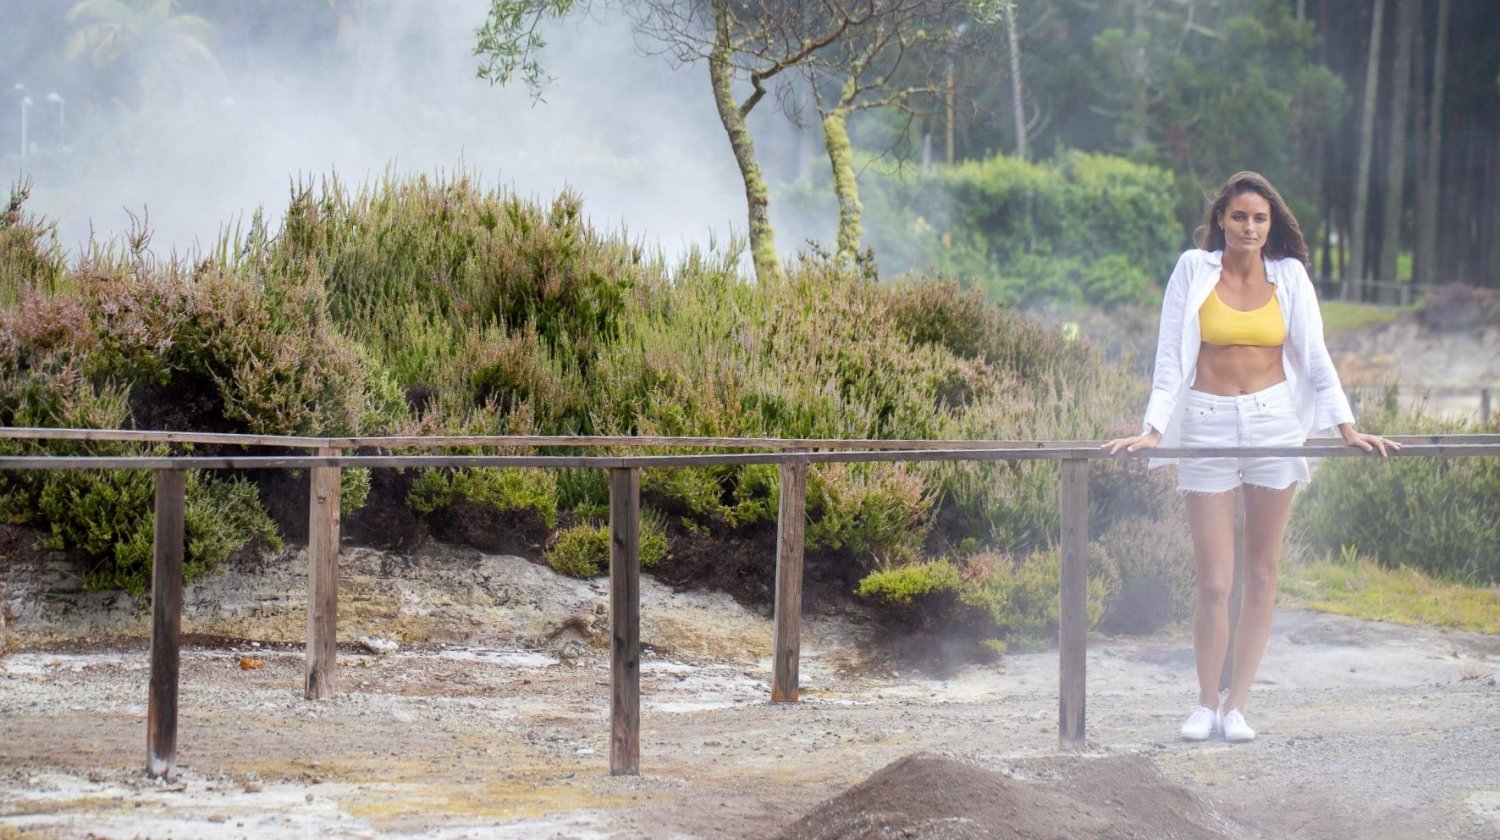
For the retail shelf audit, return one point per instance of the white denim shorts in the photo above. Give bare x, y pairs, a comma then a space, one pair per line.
1264, 418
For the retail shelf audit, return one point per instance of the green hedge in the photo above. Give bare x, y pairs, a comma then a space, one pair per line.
1077, 228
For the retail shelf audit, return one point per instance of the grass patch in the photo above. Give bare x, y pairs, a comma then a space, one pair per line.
1339, 316
1362, 588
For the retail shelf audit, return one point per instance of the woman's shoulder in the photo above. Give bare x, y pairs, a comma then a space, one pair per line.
1289, 269
1194, 260
1200, 256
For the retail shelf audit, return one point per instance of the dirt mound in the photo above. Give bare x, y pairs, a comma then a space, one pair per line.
926, 796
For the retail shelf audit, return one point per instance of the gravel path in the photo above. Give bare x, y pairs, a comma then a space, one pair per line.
491, 719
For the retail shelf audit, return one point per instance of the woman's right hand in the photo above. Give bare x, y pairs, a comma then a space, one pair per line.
1135, 443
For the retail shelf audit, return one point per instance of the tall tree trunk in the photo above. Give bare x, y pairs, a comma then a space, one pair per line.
1325, 176
1407, 15
841, 156
1015, 78
757, 195
1489, 221
952, 113
1357, 230
1425, 267
1138, 65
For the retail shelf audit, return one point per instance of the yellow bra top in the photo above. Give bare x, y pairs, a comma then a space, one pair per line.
1224, 325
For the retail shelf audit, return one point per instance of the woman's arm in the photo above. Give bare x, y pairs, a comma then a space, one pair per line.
1330, 406
1166, 377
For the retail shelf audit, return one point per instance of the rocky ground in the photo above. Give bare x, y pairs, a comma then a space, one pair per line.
1447, 369
490, 719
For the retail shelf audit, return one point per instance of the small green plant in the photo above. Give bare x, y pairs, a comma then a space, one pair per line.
504, 489
902, 584
582, 551
1021, 593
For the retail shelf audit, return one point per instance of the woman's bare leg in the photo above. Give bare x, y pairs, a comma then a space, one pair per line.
1266, 513
1211, 520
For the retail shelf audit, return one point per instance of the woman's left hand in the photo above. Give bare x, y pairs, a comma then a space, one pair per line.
1369, 442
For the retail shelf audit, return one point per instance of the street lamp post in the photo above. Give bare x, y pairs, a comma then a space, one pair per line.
26, 104
62, 126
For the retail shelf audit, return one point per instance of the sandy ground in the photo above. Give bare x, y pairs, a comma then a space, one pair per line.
491, 719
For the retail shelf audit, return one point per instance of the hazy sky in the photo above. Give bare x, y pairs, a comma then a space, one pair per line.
639, 139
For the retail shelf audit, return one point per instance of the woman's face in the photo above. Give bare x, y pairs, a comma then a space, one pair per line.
1246, 222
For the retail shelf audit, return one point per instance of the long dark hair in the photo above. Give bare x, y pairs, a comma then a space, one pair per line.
1285, 239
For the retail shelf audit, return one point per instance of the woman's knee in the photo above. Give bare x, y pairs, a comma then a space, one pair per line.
1213, 592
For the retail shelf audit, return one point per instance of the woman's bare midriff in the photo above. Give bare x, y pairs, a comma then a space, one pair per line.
1231, 370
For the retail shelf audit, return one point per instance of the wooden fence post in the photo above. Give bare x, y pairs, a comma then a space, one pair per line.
166, 623
1073, 619
1484, 405
625, 621
791, 520
322, 579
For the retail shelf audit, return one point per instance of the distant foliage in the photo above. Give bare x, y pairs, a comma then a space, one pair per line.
1457, 307
1077, 228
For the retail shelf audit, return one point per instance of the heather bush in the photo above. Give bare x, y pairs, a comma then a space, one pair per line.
123, 340
582, 551
505, 490
1437, 515
1458, 307
1020, 592
1157, 585
30, 257
429, 306
905, 584
877, 513
984, 601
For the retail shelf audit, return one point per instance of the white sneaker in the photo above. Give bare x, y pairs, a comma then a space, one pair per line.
1202, 722
1236, 730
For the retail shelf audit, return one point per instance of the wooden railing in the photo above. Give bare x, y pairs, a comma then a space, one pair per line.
792, 456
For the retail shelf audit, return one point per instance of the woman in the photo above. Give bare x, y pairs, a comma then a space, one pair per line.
1240, 361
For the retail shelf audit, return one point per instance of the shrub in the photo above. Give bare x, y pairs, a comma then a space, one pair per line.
1432, 514
31, 260
582, 551
1021, 592
874, 512
1458, 307
485, 294
504, 489
107, 516
1157, 582
902, 584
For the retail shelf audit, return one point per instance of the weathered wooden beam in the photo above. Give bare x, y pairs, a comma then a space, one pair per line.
1073, 619
790, 528
166, 623
322, 579
1312, 450
625, 622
